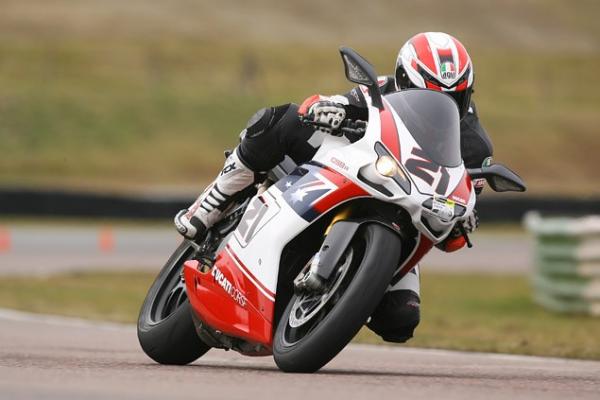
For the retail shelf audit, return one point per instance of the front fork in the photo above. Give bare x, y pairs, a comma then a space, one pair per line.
318, 270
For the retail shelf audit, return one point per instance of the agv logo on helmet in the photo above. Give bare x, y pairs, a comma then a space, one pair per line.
448, 71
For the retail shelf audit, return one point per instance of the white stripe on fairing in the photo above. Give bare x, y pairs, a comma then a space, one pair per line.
241, 268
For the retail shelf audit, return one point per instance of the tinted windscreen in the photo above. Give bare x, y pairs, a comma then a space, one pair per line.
432, 119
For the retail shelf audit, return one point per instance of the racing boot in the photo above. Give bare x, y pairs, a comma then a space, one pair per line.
194, 221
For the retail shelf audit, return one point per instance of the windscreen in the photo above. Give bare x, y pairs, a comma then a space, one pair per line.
432, 119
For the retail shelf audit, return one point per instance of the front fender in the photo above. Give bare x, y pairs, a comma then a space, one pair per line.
338, 240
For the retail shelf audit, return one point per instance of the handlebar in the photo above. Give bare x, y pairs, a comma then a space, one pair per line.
353, 130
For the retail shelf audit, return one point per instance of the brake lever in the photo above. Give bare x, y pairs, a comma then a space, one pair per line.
463, 232
352, 130
315, 124
353, 134
320, 125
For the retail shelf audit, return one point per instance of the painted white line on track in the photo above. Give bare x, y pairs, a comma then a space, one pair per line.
22, 316
454, 353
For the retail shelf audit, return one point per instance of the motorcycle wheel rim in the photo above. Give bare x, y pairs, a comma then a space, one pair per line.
302, 320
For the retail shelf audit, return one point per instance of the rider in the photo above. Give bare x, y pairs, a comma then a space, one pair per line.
431, 60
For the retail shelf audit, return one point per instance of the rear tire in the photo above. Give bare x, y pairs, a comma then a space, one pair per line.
165, 328
376, 252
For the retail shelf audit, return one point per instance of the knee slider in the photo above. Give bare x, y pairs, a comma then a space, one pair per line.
397, 316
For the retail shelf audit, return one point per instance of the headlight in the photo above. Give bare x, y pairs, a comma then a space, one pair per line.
386, 166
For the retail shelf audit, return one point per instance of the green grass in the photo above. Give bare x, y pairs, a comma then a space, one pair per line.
108, 94
462, 312
496, 314
101, 296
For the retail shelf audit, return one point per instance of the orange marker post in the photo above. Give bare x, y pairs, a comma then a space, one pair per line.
106, 240
5, 242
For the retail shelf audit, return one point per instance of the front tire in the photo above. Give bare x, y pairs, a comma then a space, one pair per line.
165, 328
306, 342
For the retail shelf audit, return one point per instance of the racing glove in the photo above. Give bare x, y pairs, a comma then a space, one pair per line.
456, 240
325, 114
472, 222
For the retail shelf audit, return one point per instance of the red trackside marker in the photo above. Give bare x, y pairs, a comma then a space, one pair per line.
5, 242
106, 240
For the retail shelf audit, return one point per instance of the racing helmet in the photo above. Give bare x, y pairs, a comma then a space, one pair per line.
438, 61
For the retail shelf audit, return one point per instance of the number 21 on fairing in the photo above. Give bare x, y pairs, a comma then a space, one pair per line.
256, 216
428, 171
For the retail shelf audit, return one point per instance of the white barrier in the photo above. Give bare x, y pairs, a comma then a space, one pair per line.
567, 273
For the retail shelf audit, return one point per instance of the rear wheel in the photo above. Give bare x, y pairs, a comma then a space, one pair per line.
315, 327
165, 328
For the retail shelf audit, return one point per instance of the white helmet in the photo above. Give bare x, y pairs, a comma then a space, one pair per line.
438, 61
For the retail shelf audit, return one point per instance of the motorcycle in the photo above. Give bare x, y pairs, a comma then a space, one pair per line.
300, 262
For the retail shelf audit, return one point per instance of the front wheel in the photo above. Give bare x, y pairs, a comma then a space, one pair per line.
314, 328
165, 327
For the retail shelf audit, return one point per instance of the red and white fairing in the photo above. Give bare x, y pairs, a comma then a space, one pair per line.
385, 126
238, 296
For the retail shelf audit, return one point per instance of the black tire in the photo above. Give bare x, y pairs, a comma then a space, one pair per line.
376, 255
165, 328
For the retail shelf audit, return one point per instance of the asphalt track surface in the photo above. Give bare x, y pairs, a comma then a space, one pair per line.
46, 250
60, 358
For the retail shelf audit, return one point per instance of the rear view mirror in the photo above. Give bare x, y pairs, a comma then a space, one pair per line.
358, 70
499, 177
357, 73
